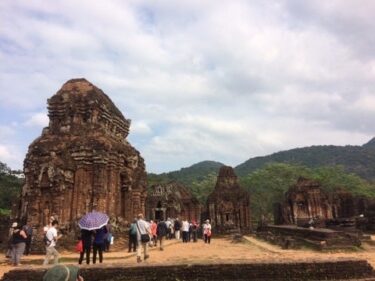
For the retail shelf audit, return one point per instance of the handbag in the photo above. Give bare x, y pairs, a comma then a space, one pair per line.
79, 246
145, 238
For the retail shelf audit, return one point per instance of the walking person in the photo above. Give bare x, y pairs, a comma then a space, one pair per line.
29, 232
18, 245
143, 229
207, 232
8, 253
133, 236
153, 227
86, 237
49, 225
161, 233
185, 231
51, 238
99, 243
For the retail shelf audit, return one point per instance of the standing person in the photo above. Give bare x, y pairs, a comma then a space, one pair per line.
51, 238
86, 237
194, 231
168, 223
190, 231
18, 244
108, 237
185, 230
29, 232
143, 228
177, 228
161, 233
133, 236
153, 227
99, 243
207, 232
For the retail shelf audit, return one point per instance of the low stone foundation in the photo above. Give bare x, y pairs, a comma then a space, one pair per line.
319, 270
291, 236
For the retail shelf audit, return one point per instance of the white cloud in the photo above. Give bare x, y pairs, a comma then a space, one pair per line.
39, 119
140, 128
199, 80
11, 155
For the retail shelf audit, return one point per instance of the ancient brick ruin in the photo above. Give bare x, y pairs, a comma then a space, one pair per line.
172, 200
82, 161
228, 206
306, 200
303, 201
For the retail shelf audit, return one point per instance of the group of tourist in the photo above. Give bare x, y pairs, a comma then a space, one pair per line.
159, 231
142, 234
98, 241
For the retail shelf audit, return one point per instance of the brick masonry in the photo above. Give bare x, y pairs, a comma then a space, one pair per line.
329, 270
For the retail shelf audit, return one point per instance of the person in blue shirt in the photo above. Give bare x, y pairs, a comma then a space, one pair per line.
133, 236
99, 243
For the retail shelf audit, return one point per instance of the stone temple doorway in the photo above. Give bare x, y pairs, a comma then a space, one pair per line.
159, 212
159, 215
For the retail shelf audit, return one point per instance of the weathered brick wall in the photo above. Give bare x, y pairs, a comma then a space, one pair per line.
330, 270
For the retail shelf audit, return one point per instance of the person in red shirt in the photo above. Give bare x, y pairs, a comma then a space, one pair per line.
153, 226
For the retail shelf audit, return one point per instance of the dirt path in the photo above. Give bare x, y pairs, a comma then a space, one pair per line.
220, 250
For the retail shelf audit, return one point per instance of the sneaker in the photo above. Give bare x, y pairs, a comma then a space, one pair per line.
139, 260
146, 257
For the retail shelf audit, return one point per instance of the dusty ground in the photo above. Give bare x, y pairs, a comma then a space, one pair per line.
220, 250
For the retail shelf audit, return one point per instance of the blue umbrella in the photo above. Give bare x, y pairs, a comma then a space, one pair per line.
93, 220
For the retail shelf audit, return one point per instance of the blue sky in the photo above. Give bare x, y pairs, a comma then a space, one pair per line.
200, 80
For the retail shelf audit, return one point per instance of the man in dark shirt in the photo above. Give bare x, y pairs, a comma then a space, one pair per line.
161, 233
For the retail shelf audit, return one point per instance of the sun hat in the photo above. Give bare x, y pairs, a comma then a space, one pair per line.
61, 272
14, 224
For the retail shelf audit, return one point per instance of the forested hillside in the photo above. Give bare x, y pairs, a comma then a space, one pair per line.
267, 178
359, 160
269, 184
200, 178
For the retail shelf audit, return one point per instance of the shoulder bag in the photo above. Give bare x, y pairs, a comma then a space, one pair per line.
145, 238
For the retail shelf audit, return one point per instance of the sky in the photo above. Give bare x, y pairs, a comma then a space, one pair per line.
200, 80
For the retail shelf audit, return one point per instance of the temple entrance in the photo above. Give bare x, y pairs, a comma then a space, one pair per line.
159, 212
159, 215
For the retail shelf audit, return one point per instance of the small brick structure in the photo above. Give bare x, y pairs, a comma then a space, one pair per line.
228, 206
344, 269
172, 200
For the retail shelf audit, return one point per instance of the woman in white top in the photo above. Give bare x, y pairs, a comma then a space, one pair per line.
185, 231
207, 232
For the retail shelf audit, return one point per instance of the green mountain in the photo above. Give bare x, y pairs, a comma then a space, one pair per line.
359, 160
197, 172
268, 178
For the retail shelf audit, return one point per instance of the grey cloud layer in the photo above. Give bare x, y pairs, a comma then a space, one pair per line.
200, 80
